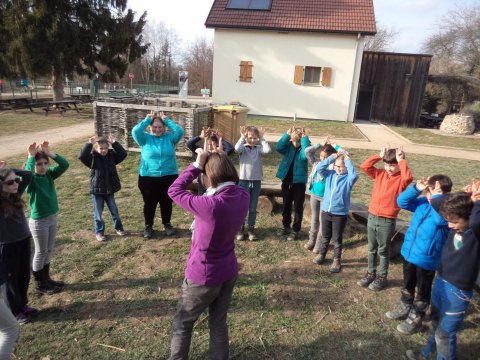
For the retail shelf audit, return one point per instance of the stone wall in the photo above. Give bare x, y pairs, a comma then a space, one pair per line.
458, 124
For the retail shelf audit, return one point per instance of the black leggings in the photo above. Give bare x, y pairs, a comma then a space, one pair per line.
154, 191
15, 261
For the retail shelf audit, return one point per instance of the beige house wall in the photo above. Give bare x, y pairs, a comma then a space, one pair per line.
274, 56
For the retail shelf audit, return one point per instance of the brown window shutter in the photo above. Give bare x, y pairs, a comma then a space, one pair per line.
298, 75
246, 71
326, 76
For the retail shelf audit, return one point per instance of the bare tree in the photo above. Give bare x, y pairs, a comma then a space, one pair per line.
382, 40
456, 46
198, 61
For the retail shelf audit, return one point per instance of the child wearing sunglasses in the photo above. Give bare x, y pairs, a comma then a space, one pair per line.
15, 240
43, 212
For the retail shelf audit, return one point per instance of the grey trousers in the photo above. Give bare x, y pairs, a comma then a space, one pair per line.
44, 232
316, 222
194, 299
9, 327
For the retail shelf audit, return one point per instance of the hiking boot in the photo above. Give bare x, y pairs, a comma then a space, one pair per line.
366, 280
251, 234
169, 230
336, 265
100, 237
56, 283
42, 286
413, 323
379, 283
120, 232
400, 312
412, 356
23, 318
148, 232
284, 231
319, 260
309, 245
292, 236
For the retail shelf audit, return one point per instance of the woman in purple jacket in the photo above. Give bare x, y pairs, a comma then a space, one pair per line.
212, 268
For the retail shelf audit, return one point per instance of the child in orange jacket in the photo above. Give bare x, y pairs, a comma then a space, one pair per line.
389, 182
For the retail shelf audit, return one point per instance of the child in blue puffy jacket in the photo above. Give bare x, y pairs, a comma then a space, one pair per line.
336, 204
421, 250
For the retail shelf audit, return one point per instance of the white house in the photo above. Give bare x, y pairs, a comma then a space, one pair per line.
286, 57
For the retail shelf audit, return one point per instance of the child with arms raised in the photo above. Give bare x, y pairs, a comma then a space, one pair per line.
457, 271
104, 180
43, 212
421, 249
251, 147
293, 171
338, 187
316, 185
388, 183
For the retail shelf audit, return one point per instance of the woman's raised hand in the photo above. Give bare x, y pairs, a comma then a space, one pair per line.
162, 115
202, 157
93, 140
111, 138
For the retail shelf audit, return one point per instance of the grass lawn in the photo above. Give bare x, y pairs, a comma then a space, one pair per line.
424, 136
336, 129
123, 292
22, 120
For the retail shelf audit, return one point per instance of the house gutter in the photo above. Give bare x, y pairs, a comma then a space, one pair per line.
353, 79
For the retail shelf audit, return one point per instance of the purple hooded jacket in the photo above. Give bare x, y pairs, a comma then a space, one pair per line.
218, 218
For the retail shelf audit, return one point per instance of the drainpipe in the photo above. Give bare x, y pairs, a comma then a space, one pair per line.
353, 78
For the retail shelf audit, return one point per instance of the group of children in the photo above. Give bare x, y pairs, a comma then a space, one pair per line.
429, 244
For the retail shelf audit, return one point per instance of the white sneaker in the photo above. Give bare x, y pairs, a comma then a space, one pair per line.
100, 237
120, 232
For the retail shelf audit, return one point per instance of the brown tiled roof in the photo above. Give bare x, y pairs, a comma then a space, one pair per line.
343, 16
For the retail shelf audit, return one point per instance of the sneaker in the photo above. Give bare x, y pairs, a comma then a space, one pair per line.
120, 232
400, 312
148, 232
366, 280
378, 284
240, 236
169, 230
284, 231
23, 318
251, 235
100, 237
292, 236
27, 310
316, 250
309, 245
336, 265
412, 356
319, 260
412, 324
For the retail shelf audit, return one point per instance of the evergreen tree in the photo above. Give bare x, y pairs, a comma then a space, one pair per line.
61, 37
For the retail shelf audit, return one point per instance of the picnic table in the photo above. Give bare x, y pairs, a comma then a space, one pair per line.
16, 103
61, 106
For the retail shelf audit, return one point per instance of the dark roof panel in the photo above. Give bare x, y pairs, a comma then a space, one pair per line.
345, 16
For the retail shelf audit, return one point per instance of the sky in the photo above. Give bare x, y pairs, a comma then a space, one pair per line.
413, 20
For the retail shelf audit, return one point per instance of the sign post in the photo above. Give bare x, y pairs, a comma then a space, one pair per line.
131, 76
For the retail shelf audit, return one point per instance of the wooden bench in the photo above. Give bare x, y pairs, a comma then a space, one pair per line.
60, 109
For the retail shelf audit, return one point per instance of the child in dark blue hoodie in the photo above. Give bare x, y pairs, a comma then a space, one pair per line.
457, 271
336, 204
421, 250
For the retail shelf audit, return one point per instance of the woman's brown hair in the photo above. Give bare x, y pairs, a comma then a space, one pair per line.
219, 168
13, 202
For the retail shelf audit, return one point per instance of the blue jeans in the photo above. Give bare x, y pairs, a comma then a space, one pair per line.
253, 187
449, 305
98, 205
